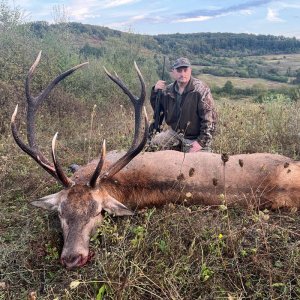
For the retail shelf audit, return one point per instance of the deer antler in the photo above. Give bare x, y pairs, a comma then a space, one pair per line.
136, 146
32, 106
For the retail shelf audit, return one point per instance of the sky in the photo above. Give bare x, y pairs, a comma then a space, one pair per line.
170, 16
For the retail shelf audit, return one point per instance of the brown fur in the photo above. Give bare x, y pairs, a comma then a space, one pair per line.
259, 179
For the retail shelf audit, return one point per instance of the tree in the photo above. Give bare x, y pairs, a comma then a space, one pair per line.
297, 80
228, 87
9, 17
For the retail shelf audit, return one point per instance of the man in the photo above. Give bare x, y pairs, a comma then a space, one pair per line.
188, 109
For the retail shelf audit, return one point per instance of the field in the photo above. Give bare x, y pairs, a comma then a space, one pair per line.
242, 83
282, 62
280, 65
175, 252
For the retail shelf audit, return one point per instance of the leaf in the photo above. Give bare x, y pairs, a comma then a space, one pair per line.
222, 207
101, 292
74, 284
278, 284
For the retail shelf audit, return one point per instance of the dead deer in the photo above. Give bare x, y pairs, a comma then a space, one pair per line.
120, 183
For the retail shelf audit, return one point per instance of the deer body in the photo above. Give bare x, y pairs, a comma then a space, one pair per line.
120, 183
158, 178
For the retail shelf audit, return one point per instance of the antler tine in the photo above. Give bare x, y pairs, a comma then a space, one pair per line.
137, 102
140, 104
34, 102
135, 147
32, 105
29, 76
66, 182
126, 159
31, 152
143, 87
92, 182
121, 84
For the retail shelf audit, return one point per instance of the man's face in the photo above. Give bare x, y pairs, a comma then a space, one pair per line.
182, 74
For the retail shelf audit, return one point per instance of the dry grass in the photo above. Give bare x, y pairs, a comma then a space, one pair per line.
243, 83
175, 252
245, 127
282, 62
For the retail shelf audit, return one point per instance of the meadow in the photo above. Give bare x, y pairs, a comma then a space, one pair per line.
174, 252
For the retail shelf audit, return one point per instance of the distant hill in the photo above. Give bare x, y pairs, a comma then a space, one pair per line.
191, 45
227, 44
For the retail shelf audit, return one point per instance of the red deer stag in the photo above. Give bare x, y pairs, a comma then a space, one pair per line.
152, 178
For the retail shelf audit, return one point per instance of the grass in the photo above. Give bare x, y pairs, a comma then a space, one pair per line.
281, 63
242, 83
174, 252
245, 127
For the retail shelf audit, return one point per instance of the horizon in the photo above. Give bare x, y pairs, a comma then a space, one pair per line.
260, 17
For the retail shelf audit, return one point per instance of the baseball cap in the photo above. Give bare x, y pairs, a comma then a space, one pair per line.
181, 62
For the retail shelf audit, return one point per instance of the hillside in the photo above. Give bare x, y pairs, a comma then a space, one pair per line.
192, 45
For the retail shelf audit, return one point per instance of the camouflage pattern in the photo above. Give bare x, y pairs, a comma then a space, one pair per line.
181, 62
171, 140
195, 117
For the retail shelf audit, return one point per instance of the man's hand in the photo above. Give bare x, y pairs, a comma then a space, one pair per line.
160, 85
195, 147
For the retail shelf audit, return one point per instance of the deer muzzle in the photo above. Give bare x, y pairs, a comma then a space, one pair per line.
74, 260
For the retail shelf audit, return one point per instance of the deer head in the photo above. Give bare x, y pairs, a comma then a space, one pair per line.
80, 206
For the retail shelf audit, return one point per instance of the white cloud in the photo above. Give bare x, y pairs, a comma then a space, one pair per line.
288, 5
116, 3
85, 9
272, 16
195, 19
247, 12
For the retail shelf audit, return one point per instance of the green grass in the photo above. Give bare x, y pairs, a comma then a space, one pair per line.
281, 63
174, 252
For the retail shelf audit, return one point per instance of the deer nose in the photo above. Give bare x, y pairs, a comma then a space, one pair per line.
73, 260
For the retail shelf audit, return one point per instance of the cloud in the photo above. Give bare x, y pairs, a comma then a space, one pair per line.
206, 14
195, 19
116, 3
272, 16
130, 21
87, 9
247, 12
143, 15
81, 10
274, 10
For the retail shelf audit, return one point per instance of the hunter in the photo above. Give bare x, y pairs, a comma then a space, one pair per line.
188, 108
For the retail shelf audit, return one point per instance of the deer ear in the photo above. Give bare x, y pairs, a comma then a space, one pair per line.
49, 202
114, 207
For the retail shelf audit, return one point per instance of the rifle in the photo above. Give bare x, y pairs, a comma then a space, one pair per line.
158, 113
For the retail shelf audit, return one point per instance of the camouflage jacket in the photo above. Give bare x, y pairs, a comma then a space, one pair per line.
192, 113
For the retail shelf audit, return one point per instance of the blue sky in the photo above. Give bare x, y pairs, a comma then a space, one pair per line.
166, 16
